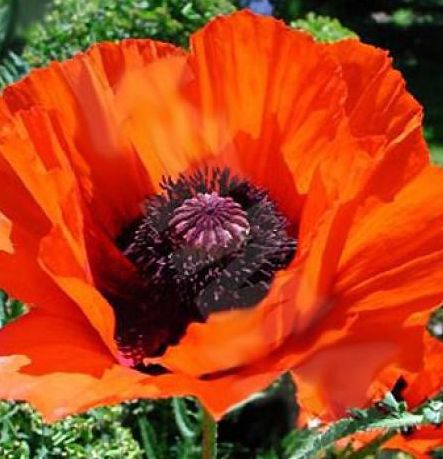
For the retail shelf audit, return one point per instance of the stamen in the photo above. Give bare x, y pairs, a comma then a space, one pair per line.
211, 242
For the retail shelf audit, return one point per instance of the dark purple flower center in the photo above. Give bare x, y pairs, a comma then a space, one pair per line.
210, 242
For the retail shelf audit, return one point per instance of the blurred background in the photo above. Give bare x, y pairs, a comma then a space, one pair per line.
34, 32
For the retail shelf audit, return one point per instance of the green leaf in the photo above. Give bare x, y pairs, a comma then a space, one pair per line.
323, 28
8, 17
188, 428
98, 434
433, 412
10, 309
388, 415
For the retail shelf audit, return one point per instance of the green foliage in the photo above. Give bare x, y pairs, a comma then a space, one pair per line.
9, 309
97, 435
135, 430
73, 25
323, 28
8, 14
388, 415
12, 68
403, 17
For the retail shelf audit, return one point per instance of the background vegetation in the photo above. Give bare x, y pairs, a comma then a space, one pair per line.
33, 32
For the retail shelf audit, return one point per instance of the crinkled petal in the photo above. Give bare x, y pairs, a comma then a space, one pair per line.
53, 362
81, 94
428, 381
270, 100
377, 102
62, 367
387, 280
300, 295
39, 174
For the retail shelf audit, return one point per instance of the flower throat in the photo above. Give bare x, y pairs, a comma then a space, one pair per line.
210, 242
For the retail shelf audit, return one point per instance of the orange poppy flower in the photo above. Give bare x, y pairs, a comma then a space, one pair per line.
201, 222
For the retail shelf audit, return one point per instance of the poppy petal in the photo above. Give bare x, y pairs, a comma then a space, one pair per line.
377, 102
370, 303
81, 95
233, 339
211, 393
50, 193
428, 381
57, 395
358, 363
409, 227
244, 64
163, 122
55, 344
62, 367
43, 352
300, 294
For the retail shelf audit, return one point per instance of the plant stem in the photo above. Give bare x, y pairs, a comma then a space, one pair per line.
147, 438
209, 434
184, 424
349, 426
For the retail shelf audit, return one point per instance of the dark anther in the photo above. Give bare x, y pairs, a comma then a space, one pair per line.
210, 242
